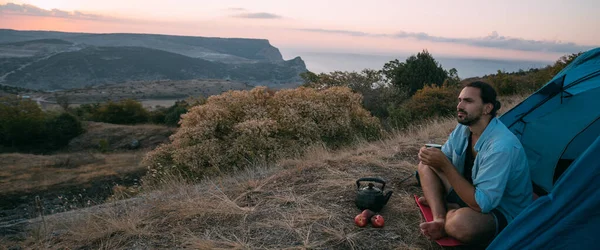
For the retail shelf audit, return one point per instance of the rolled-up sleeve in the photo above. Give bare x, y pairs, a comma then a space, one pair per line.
449, 145
492, 177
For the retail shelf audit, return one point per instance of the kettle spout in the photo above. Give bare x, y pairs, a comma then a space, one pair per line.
388, 195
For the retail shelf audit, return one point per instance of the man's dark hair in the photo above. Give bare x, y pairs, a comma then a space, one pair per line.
488, 95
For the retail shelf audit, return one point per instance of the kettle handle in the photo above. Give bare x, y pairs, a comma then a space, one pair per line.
373, 179
388, 196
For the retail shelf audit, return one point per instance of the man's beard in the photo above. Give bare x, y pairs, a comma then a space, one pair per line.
468, 120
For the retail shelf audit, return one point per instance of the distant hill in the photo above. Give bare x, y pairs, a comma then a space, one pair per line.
103, 65
10, 90
32, 48
47, 60
40, 41
144, 90
230, 50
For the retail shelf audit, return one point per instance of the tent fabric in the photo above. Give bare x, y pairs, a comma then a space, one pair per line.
566, 218
559, 127
549, 120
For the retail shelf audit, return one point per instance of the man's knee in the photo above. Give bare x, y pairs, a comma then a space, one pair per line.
425, 169
458, 225
422, 168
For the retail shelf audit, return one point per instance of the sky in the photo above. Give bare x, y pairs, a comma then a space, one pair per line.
508, 29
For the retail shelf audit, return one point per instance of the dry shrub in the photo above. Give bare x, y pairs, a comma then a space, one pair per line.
236, 128
426, 104
433, 101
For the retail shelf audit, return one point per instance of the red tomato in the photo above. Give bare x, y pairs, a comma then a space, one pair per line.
377, 221
360, 220
368, 213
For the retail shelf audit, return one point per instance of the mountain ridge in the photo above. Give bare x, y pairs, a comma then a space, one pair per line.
49, 60
156, 41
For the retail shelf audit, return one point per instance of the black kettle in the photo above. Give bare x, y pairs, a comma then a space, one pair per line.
371, 197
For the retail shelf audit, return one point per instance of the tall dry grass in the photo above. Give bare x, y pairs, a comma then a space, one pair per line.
302, 202
29, 173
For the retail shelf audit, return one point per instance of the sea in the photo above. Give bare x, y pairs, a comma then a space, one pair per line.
324, 62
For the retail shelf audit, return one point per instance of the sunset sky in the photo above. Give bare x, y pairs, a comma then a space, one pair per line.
509, 29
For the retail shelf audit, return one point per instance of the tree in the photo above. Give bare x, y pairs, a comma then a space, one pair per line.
309, 77
21, 122
126, 111
453, 79
63, 101
173, 113
415, 73
369, 83
562, 62
60, 129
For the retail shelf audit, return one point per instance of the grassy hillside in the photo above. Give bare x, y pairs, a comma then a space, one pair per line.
8, 65
305, 202
102, 65
24, 173
93, 167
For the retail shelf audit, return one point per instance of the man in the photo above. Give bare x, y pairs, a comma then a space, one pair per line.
479, 181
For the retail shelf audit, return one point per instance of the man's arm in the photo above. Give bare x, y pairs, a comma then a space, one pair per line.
463, 188
492, 175
488, 188
438, 160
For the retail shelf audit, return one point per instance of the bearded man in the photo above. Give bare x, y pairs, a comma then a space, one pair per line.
479, 181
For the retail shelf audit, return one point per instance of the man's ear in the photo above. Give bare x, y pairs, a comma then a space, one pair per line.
488, 108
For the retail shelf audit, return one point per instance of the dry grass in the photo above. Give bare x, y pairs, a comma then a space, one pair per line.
22, 173
119, 137
301, 203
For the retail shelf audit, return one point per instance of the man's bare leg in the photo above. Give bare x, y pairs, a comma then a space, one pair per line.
470, 226
435, 187
449, 206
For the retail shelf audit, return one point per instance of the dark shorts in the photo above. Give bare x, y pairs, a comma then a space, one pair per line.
499, 217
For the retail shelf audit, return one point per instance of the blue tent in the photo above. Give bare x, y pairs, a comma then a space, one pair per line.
559, 127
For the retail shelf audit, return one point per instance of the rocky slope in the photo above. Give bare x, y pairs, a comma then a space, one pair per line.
56, 60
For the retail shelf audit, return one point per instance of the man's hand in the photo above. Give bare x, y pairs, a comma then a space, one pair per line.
434, 158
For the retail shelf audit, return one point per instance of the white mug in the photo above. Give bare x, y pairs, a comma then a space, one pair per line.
433, 145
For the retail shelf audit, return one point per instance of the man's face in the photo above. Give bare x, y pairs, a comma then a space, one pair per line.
470, 106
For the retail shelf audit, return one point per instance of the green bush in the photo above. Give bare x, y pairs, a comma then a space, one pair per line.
377, 95
526, 82
417, 71
399, 117
86, 111
21, 123
239, 127
61, 129
103, 145
126, 111
506, 84
172, 115
24, 127
157, 116
427, 103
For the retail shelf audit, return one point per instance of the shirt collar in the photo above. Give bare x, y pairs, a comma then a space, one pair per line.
484, 136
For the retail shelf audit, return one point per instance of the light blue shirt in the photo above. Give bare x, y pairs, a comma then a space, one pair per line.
500, 172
